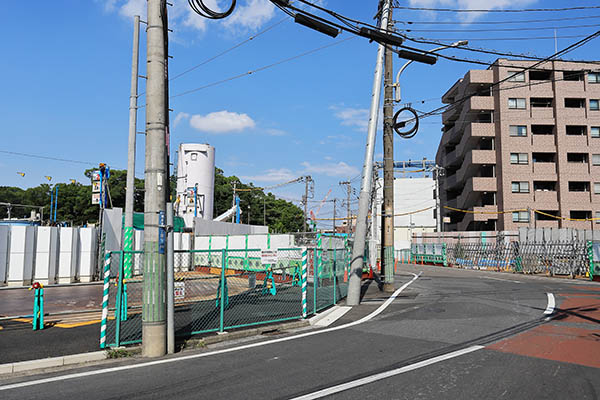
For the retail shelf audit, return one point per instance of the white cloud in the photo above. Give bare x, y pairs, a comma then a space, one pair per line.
272, 175
471, 5
247, 17
354, 117
330, 169
181, 116
222, 122
251, 16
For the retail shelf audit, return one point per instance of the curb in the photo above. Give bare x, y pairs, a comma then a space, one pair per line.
31, 365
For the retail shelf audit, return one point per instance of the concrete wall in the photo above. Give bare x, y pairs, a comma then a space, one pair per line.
46, 254
204, 227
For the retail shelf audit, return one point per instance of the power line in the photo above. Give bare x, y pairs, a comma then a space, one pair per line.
537, 28
497, 11
47, 157
285, 60
524, 21
513, 38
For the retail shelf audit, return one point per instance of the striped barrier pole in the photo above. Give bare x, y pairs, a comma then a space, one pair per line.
304, 280
105, 301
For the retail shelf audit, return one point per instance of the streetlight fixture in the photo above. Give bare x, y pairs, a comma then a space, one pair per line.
398, 95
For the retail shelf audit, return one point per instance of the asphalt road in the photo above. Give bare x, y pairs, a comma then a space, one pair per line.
451, 334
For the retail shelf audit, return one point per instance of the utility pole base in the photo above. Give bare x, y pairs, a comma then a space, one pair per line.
154, 339
389, 288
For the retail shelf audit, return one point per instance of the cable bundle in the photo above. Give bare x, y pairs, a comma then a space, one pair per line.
201, 9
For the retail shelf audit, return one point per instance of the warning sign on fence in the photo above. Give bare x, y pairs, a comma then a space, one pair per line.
179, 290
268, 257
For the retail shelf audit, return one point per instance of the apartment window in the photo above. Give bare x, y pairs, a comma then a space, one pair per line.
514, 103
578, 158
541, 102
518, 130
573, 75
595, 131
597, 217
516, 76
520, 216
576, 186
519, 158
546, 215
543, 157
542, 129
544, 186
540, 75
576, 214
594, 104
576, 130
594, 77
596, 187
595, 159
574, 103
520, 187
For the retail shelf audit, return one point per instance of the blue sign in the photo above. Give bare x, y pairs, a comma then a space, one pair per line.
161, 232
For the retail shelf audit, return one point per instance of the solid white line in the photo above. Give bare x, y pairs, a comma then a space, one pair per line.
500, 279
366, 318
551, 304
387, 374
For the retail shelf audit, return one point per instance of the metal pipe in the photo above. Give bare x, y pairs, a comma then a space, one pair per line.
170, 281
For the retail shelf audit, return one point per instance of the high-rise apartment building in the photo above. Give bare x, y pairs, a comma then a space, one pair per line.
517, 140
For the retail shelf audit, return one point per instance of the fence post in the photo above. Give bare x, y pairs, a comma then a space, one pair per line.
334, 275
105, 301
315, 282
119, 305
222, 284
304, 280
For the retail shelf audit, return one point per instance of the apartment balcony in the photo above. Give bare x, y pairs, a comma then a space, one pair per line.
485, 213
577, 200
478, 103
575, 169
543, 142
544, 168
479, 76
573, 143
452, 113
547, 200
574, 113
541, 112
471, 188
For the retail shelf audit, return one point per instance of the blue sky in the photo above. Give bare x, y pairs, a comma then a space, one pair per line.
66, 71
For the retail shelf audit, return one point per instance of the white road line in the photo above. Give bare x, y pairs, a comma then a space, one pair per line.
366, 318
551, 304
387, 374
500, 279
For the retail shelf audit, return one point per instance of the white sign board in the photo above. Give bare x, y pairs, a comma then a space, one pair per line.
268, 257
95, 198
179, 290
96, 175
96, 187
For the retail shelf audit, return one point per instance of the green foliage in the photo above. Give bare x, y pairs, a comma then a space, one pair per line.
75, 206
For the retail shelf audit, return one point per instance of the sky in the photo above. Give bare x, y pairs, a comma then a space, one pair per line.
67, 66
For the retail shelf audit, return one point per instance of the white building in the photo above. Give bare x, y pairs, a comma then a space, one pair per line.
414, 209
195, 182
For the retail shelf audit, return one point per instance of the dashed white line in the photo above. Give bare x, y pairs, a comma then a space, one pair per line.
551, 304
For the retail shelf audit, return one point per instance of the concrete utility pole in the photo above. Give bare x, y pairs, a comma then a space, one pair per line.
334, 201
130, 185
358, 250
387, 225
305, 201
437, 171
233, 202
348, 218
154, 326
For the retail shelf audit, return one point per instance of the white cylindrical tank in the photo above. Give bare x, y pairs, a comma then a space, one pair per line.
195, 181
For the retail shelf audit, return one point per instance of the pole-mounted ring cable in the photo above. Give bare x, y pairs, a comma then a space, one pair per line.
201, 9
399, 125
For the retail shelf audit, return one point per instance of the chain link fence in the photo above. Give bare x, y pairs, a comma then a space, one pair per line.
215, 290
554, 258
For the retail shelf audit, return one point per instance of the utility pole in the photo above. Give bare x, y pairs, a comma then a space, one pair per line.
305, 201
358, 249
264, 211
387, 225
233, 201
438, 172
154, 332
334, 201
348, 217
130, 185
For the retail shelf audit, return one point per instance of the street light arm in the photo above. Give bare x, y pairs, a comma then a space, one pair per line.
406, 64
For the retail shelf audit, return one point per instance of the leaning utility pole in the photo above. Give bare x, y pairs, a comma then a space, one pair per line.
387, 226
130, 185
358, 250
154, 330
334, 201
